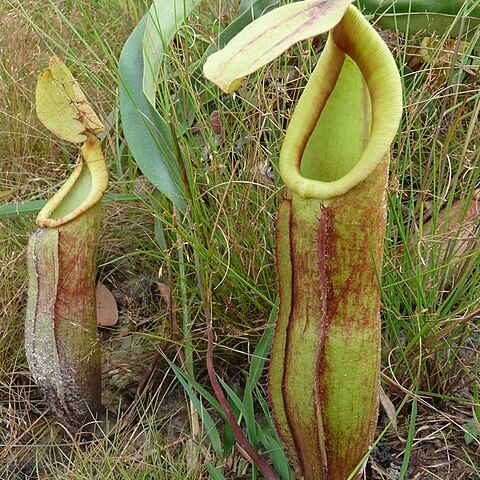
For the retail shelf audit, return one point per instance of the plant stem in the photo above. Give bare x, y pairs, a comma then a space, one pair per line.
240, 437
186, 326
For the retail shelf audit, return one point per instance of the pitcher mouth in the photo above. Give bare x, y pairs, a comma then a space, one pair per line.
83, 189
347, 116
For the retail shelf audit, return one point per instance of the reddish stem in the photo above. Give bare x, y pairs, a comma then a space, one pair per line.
265, 469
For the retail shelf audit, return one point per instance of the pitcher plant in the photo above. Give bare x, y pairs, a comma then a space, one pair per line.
325, 361
60, 331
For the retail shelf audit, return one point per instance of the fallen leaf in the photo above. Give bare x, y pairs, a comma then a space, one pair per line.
107, 311
389, 409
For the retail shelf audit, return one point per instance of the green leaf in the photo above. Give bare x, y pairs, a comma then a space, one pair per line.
214, 473
252, 11
19, 209
61, 105
410, 438
147, 133
234, 400
260, 354
428, 16
257, 366
16, 209
249, 10
269, 36
267, 436
276, 452
162, 21
245, 5
211, 429
228, 439
471, 432
452, 7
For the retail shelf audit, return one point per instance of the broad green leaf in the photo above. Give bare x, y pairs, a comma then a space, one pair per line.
269, 36
61, 105
245, 5
147, 133
162, 21
428, 16
452, 7
21, 208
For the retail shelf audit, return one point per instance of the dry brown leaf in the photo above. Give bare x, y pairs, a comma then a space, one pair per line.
107, 311
389, 409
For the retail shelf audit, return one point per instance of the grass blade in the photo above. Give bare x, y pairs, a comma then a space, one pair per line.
411, 436
210, 426
19, 209
214, 473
